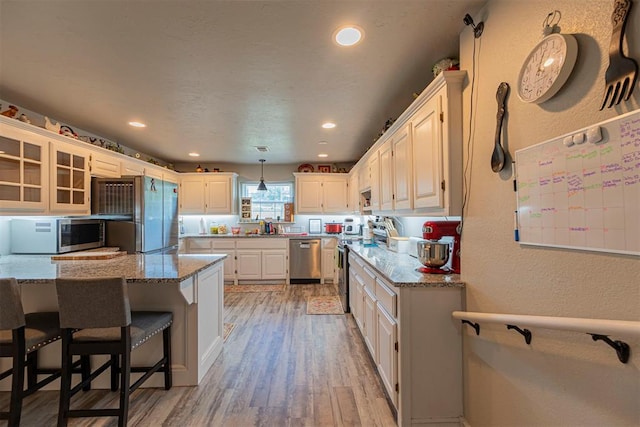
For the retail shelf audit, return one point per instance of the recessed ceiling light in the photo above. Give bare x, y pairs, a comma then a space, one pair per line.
328, 125
137, 124
193, 154
322, 142
323, 155
348, 35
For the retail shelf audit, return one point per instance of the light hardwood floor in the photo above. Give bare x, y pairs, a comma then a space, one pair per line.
279, 367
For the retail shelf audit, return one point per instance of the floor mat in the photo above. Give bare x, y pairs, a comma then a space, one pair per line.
324, 305
254, 288
228, 328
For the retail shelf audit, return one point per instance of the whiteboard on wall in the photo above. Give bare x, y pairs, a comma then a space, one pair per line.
581, 190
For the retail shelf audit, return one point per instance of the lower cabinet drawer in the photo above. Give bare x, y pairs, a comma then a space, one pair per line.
223, 244
198, 244
386, 297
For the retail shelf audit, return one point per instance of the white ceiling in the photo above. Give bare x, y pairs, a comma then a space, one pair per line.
221, 77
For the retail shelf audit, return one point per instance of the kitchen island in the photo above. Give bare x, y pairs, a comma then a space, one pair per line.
190, 286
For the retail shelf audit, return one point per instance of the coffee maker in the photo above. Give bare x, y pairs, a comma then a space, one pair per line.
440, 253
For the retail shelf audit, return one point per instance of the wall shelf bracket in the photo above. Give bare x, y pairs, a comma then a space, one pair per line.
621, 347
475, 326
524, 332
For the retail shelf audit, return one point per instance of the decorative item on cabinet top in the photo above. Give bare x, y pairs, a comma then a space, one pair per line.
305, 167
324, 168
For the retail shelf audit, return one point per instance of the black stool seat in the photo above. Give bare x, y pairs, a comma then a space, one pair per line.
144, 325
40, 329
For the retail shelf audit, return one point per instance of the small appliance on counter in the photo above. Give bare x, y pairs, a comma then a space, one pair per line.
333, 228
398, 244
350, 227
46, 235
440, 250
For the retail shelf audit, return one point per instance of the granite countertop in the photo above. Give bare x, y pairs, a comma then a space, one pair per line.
137, 268
400, 269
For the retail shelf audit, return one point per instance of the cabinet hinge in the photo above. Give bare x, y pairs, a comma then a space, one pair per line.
442, 185
397, 388
395, 346
442, 117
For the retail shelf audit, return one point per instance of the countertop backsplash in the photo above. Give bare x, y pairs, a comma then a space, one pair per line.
191, 223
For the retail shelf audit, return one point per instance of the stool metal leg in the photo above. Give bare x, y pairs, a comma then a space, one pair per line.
65, 379
166, 344
115, 370
17, 380
125, 377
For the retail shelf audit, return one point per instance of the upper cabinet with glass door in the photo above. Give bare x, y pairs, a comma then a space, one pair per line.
70, 184
23, 172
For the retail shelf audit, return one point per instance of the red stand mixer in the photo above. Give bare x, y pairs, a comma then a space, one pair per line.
434, 254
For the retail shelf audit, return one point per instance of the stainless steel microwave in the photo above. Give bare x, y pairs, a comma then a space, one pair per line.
55, 235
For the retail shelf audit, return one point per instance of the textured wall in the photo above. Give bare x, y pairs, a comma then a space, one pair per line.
562, 378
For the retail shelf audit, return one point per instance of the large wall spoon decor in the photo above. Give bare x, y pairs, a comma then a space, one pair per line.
497, 157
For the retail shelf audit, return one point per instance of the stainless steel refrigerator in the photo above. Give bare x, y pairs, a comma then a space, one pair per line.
142, 212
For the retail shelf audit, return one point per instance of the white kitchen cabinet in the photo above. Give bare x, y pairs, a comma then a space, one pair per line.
358, 307
374, 181
354, 193
427, 156
191, 194
386, 176
227, 247
198, 245
208, 193
262, 258
131, 167
364, 181
328, 262
274, 264
416, 166
220, 193
103, 164
370, 324
70, 179
335, 193
322, 193
402, 169
387, 332
437, 149
249, 264
23, 171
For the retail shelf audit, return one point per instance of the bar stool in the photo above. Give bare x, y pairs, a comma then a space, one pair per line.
21, 336
100, 309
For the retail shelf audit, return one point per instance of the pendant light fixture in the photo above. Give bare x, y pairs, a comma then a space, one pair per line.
261, 186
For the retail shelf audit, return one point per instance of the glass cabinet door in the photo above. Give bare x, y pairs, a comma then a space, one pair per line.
21, 174
70, 190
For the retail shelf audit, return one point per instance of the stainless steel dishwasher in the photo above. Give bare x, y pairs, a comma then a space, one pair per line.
304, 260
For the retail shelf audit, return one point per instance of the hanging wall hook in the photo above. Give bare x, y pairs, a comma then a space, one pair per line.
524, 332
621, 347
475, 326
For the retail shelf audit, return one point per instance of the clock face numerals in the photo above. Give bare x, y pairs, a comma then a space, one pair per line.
547, 68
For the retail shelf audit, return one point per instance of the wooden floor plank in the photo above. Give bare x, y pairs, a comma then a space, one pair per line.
279, 367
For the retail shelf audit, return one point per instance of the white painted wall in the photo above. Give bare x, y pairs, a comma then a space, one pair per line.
562, 378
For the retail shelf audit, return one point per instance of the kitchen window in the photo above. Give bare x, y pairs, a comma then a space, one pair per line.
270, 203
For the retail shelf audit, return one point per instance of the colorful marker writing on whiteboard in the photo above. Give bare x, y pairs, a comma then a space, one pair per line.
516, 228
